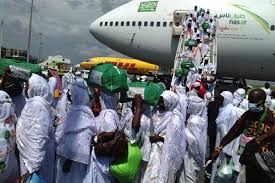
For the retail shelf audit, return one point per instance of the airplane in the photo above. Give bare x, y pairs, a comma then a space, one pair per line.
148, 30
132, 66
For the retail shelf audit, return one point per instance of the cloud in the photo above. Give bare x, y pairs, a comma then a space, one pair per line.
64, 24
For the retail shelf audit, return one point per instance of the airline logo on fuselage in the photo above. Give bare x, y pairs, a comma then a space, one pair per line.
235, 19
148, 6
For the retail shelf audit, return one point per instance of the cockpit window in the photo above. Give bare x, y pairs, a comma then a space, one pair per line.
122, 23
106, 23
152, 24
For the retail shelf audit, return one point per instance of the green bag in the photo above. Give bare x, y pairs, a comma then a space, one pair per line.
191, 42
126, 168
202, 10
109, 78
205, 25
187, 64
180, 72
150, 92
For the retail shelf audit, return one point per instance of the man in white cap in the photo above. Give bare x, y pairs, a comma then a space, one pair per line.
240, 100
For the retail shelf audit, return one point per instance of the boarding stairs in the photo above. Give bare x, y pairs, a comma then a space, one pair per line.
212, 44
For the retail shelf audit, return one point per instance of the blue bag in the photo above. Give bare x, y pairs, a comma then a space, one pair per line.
34, 178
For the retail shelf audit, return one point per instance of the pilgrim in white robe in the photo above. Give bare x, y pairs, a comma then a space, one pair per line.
74, 137
107, 121
9, 169
165, 158
34, 135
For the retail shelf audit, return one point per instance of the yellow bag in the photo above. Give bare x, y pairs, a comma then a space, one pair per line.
56, 93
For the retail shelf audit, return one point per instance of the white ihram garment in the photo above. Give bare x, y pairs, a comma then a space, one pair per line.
34, 133
165, 158
75, 135
10, 171
107, 121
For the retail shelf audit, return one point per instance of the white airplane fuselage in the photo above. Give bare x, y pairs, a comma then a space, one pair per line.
245, 31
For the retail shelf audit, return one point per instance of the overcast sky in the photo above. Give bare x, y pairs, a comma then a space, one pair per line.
63, 23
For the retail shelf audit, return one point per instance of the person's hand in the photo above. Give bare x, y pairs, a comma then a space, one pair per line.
138, 101
216, 153
156, 138
67, 166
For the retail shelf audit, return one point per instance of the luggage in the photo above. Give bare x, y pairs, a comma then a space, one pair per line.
205, 25
126, 168
20, 73
109, 78
191, 42
34, 178
181, 72
225, 172
186, 64
150, 92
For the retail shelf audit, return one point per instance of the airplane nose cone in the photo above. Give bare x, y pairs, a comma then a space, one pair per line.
93, 28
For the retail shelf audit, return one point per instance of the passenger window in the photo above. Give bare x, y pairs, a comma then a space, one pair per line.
106, 23
158, 24
133, 24
152, 24
111, 23
122, 23
164, 24
127, 23
145, 24
116, 24
272, 27
139, 23
101, 23
171, 24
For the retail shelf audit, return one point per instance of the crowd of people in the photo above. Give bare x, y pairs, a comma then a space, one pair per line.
63, 131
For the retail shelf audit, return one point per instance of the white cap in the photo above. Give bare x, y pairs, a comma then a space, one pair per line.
143, 78
196, 84
77, 73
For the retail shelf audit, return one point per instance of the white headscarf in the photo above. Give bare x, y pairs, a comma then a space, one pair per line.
239, 95
67, 80
34, 125
227, 98
80, 95
38, 86
75, 133
108, 100
171, 100
6, 108
195, 105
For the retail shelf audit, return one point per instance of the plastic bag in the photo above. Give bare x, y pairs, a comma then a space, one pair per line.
225, 172
191, 42
109, 78
150, 92
125, 169
34, 178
